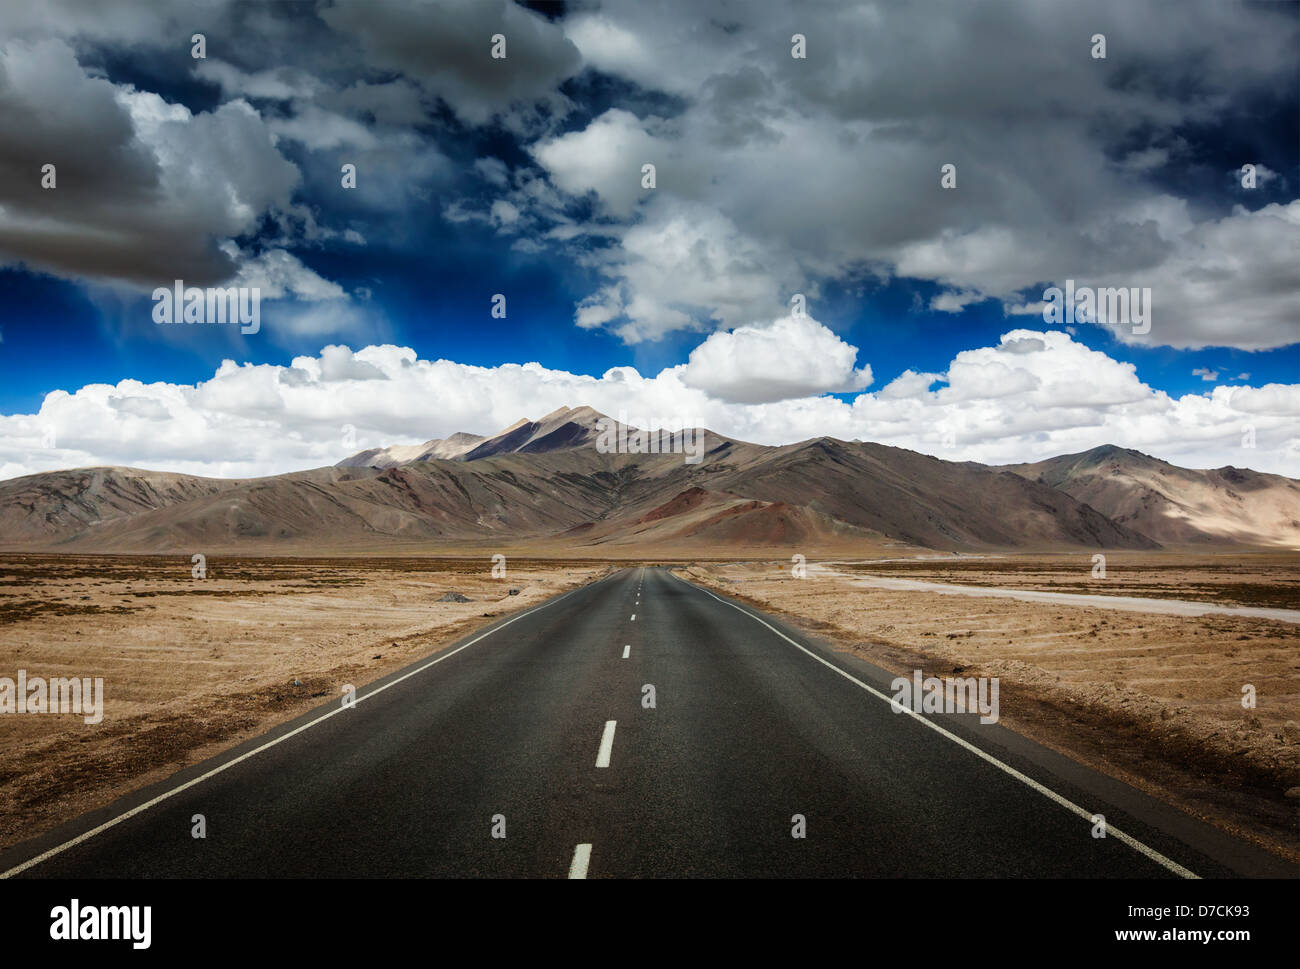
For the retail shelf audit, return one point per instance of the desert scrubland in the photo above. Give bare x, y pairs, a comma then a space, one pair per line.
193, 666
1154, 699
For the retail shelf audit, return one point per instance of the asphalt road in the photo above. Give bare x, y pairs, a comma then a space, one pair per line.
752, 724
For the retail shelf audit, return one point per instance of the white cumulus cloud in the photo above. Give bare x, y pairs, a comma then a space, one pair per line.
792, 357
1048, 396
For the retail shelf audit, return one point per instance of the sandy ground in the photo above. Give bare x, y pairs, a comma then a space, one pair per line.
191, 666
1152, 698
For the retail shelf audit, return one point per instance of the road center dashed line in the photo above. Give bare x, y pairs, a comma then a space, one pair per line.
606, 744
626, 650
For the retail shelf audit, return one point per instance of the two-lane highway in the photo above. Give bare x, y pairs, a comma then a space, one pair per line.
637, 727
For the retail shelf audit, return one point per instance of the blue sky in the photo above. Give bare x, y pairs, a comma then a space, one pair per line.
521, 175
57, 338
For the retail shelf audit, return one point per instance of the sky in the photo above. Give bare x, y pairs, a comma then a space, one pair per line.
803, 263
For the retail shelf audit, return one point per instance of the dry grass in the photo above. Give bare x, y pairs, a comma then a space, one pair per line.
193, 666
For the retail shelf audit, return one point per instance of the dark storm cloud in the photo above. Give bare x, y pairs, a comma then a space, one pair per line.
143, 190
446, 47
775, 174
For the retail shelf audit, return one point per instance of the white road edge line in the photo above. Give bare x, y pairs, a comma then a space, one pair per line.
581, 858
606, 744
141, 808
1111, 830
627, 649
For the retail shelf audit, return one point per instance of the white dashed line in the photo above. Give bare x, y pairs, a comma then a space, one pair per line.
626, 650
581, 858
606, 744
634, 617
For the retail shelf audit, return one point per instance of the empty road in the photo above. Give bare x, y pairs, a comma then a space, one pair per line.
539, 728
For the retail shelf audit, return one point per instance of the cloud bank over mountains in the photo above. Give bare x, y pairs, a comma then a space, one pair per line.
1035, 394
775, 176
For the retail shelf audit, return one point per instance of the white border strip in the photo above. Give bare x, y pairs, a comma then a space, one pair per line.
141, 808
1047, 792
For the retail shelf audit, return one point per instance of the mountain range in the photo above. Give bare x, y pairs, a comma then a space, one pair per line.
1177, 506
554, 485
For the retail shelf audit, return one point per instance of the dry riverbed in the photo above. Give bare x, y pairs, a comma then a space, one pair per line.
193, 666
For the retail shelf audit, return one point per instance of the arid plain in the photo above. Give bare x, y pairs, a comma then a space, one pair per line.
193, 666
1127, 606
